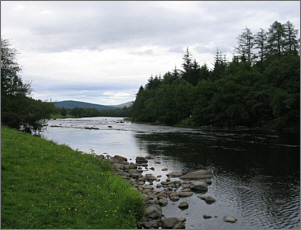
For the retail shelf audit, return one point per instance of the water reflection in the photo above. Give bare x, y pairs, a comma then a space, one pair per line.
252, 170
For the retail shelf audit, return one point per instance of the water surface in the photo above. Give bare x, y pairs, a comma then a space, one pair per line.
252, 170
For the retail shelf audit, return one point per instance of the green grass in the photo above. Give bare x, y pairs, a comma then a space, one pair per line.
45, 185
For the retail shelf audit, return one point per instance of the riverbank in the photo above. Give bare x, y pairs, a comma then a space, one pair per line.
45, 185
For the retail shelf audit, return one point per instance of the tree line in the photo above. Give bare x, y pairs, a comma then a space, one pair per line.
260, 87
92, 112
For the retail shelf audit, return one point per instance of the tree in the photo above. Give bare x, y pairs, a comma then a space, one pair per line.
276, 39
245, 45
63, 111
291, 42
220, 65
17, 110
260, 44
11, 83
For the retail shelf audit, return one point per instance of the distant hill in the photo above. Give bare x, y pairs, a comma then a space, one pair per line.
120, 106
72, 104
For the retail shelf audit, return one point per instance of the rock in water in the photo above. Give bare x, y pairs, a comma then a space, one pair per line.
154, 211
199, 186
141, 160
210, 200
185, 194
169, 223
201, 174
174, 174
230, 219
183, 205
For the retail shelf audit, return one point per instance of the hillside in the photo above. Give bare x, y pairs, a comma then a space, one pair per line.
72, 104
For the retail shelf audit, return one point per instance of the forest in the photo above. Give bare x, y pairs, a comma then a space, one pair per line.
258, 88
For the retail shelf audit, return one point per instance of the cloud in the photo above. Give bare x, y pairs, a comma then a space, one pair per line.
83, 48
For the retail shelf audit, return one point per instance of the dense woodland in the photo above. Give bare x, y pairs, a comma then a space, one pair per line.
260, 87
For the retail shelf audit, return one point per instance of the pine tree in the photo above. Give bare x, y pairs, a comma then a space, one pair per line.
245, 45
260, 44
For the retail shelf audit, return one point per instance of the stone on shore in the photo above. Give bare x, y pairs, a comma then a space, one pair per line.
201, 174
119, 158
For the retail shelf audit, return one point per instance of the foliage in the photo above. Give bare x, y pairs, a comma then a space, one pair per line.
259, 88
17, 109
50, 186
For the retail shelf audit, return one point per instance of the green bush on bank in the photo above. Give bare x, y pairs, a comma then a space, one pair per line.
45, 185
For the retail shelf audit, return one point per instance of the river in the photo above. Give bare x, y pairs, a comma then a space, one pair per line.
256, 174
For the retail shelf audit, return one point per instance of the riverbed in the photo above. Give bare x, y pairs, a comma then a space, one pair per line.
256, 174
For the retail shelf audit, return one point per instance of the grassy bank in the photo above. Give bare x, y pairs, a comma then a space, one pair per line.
45, 185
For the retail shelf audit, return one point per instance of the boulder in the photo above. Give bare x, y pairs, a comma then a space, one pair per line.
185, 194
141, 160
174, 174
210, 200
179, 225
174, 198
183, 205
153, 224
130, 166
163, 202
150, 177
203, 197
164, 169
119, 158
169, 223
230, 219
147, 186
154, 211
181, 219
199, 186
201, 174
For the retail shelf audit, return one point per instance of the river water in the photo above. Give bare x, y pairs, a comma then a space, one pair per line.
256, 174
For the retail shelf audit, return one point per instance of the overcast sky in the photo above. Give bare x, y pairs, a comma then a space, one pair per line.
102, 52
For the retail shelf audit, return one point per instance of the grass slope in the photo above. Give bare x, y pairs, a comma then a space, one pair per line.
45, 185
